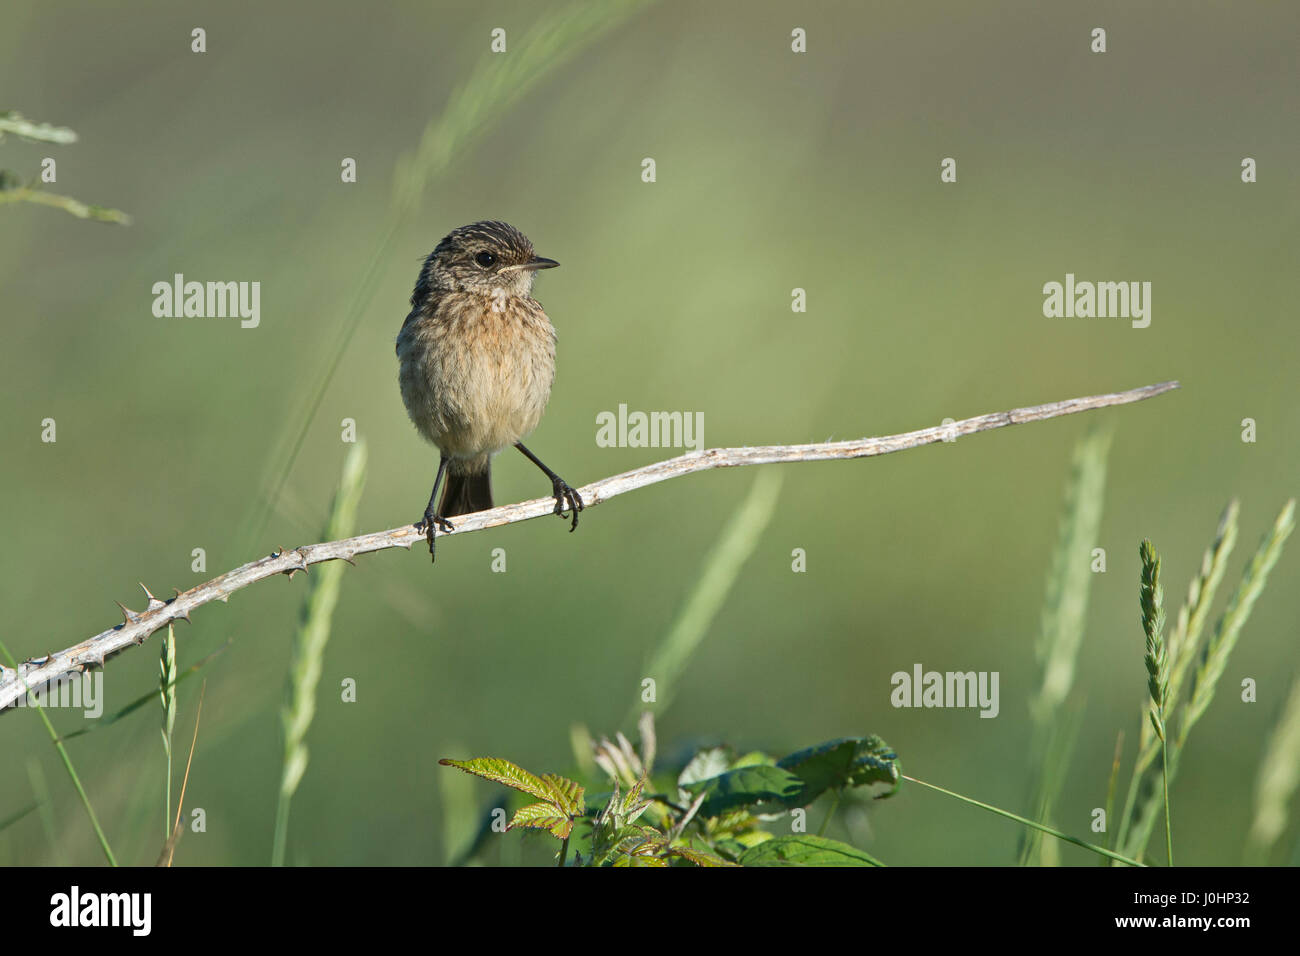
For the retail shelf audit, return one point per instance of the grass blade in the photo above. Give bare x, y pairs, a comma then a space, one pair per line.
1186, 634
167, 694
146, 698
1152, 600
1279, 776
1215, 656
721, 568
1110, 787
1065, 612
41, 791
14, 123
19, 814
67, 765
169, 847
1183, 644
1051, 831
309, 644
1211, 663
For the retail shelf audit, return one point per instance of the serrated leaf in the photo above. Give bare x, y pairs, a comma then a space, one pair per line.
626, 860
734, 821
876, 767
745, 786
568, 794
504, 772
699, 857
643, 840
542, 816
634, 812
806, 850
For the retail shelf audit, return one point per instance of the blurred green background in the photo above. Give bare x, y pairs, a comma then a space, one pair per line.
775, 171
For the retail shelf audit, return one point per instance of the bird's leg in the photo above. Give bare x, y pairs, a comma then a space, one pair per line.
431, 519
565, 496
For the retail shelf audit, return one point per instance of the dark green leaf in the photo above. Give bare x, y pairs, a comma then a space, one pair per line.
823, 767
805, 850
743, 787
846, 762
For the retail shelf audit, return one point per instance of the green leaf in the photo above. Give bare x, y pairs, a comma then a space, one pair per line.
542, 816
626, 860
699, 857
744, 787
876, 767
823, 767
561, 799
568, 793
641, 840
733, 821
705, 764
633, 805
509, 774
806, 850
752, 837
845, 762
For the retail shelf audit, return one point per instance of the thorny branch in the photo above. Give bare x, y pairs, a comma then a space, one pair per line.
138, 625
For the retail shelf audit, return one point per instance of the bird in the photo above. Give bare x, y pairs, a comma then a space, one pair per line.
476, 362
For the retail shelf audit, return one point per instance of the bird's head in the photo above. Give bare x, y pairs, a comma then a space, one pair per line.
490, 258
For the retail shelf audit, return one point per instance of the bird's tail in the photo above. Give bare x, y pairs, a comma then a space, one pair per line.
466, 494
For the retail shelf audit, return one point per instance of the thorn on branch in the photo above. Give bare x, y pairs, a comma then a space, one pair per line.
154, 603
300, 566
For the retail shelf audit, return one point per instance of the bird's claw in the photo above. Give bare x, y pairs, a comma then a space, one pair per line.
567, 498
430, 525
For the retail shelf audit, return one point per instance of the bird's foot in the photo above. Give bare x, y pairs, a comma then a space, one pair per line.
430, 525
566, 498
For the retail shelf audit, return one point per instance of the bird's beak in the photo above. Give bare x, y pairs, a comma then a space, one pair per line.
539, 263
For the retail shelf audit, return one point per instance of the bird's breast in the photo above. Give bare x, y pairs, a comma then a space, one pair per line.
476, 372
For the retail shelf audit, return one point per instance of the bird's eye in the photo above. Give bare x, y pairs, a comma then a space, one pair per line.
485, 259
